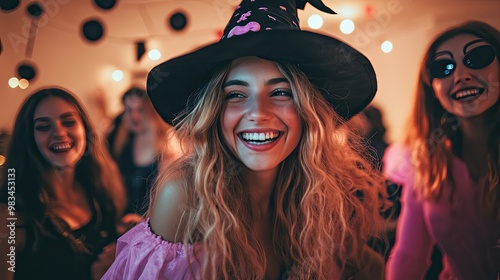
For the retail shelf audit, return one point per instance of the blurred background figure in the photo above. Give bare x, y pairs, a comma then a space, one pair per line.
370, 126
135, 141
67, 193
449, 163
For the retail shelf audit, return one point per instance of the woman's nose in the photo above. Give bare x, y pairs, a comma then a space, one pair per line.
59, 130
462, 73
258, 109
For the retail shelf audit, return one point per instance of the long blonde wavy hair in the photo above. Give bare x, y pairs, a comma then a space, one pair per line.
326, 197
434, 135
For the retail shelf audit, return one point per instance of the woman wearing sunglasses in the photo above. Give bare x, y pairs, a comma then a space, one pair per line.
449, 163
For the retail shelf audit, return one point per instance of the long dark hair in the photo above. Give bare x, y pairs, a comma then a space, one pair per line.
93, 171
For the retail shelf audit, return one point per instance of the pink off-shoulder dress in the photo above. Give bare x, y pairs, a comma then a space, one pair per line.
141, 254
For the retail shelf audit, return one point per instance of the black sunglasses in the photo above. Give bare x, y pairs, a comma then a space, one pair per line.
477, 58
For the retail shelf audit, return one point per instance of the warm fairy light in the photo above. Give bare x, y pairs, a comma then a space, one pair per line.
13, 82
2, 160
23, 83
347, 11
154, 54
347, 26
315, 21
386, 46
117, 75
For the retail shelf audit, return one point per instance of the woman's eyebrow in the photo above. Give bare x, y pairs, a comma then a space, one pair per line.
47, 119
471, 43
277, 81
42, 119
69, 114
443, 53
243, 83
235, 83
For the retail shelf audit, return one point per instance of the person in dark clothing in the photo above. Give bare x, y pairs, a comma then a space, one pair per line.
370, 126
135, 143
59, 194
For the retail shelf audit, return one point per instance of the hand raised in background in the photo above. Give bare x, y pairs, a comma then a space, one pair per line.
104, 261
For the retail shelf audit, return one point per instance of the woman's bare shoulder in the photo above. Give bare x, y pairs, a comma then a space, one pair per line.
170, 205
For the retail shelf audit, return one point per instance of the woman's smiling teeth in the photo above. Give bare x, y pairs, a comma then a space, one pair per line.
259, 138
60, 147
467, 93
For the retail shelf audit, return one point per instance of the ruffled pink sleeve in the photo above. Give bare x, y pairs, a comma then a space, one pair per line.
141, 254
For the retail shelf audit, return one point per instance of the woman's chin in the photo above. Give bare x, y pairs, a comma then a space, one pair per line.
63, 165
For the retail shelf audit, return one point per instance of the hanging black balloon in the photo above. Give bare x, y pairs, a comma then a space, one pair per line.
26, 71
8, 5
178, 21
92, 30
105, 4
34, 10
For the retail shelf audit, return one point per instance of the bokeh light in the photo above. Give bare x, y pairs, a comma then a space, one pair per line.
154, 54
315, 21
13, 82
347, 26
386, 46
23, 84
117, 75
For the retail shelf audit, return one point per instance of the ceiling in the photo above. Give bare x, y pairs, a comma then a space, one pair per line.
62, 56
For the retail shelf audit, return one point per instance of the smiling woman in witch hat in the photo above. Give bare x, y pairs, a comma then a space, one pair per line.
266, 188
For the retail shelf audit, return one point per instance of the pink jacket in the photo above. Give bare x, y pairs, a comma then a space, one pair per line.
469, 241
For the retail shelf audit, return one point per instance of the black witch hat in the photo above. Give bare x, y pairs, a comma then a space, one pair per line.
269, 30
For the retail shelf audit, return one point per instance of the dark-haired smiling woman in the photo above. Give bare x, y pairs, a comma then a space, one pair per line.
449, 164
67, 201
